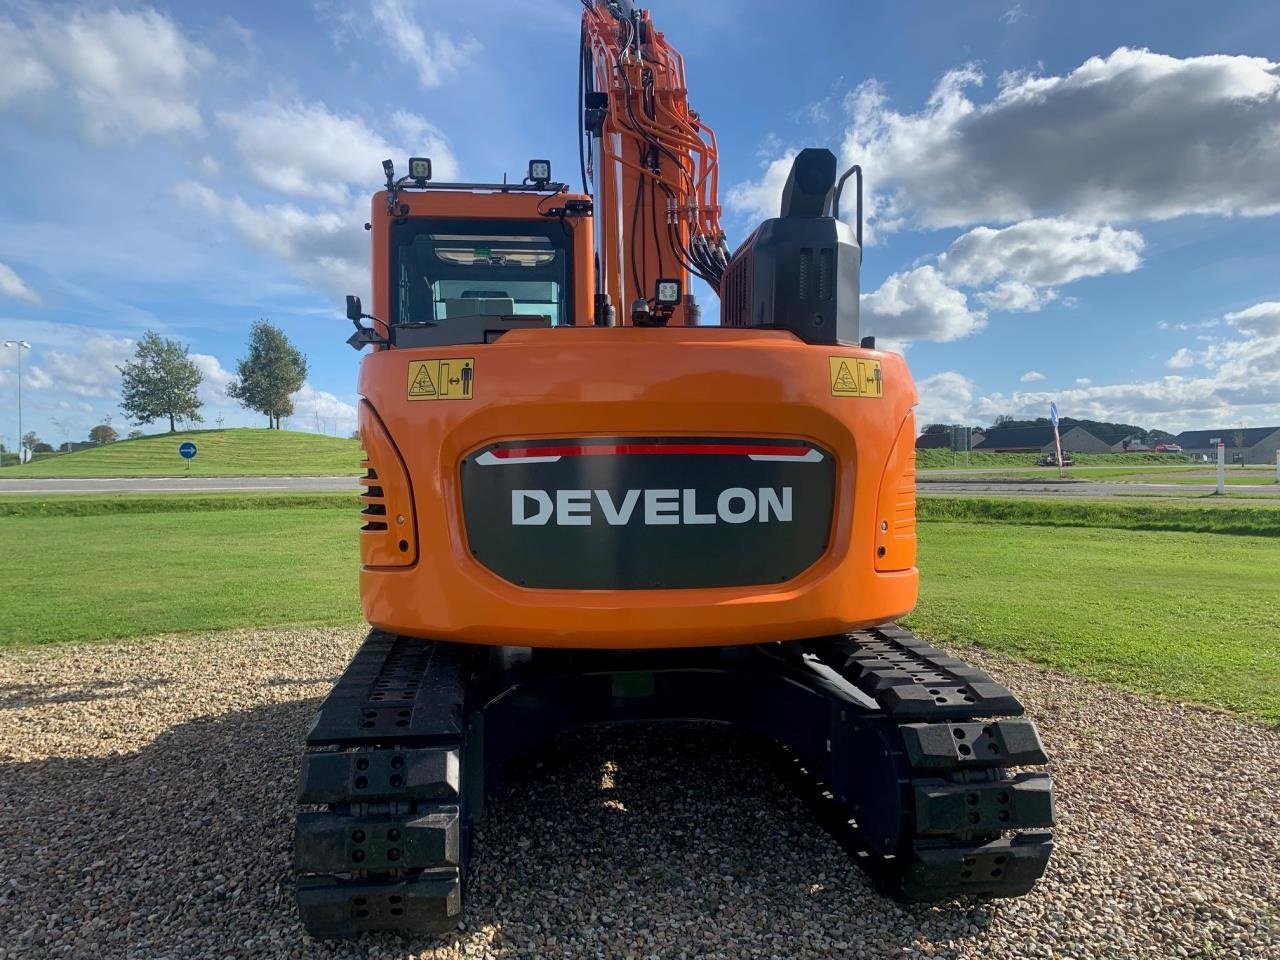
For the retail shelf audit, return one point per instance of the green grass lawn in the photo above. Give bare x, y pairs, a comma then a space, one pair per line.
1189, 473
220, 453
1193, 615
1117, 469
1250, 518
96, 577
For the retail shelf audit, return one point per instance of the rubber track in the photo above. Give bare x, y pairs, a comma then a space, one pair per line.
381, 835
379, 842
969, 824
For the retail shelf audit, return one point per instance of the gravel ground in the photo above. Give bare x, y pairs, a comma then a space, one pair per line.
147, 789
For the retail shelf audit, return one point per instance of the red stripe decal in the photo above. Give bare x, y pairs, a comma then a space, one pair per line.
653, 449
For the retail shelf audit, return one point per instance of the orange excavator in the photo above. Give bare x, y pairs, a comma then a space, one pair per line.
582, 504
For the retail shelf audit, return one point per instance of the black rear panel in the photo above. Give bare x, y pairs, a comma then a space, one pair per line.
641, 513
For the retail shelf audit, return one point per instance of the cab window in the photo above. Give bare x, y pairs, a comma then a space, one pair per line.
446, 269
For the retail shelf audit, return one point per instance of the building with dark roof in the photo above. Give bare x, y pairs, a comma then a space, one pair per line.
934, 441
1039, 440
952, 439
1244, 445
1130, 444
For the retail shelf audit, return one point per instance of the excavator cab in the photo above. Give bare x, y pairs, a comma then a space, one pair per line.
580, 506
466, 263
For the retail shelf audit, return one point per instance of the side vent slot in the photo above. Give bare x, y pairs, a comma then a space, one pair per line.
388, 534
826, 270
806, 271
375, 504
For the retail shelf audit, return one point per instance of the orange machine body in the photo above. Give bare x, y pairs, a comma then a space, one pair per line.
419, 576
640, 382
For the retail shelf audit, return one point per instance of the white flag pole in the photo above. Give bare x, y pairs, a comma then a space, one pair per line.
1057, 440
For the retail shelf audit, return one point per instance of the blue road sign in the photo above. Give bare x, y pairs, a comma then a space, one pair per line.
187, 450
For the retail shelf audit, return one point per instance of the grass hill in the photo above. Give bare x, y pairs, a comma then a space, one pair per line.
220, 453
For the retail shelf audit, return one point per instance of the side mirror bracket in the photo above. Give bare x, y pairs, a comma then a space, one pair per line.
364, 336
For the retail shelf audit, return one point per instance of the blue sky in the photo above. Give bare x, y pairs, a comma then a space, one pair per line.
1077, 202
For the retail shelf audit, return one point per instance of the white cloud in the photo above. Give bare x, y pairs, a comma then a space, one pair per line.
22, 71
1260, 320
761, 199
305, 149
37, 378
944, 398
1014, 296
1133, 135
1253, 362
1042, 252
919, 305
127, 73
82, 363
327, 250
310, 405
424, 139
1031, 376
1243, 385
1172, 402
12, 285
214, 380
434, 57
1012, 15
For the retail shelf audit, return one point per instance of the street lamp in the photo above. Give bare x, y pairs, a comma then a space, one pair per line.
21, 345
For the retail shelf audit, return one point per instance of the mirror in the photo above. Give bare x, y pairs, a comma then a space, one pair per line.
354, 310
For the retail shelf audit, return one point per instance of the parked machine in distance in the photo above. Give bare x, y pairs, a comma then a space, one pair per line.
581, 505
1051, 460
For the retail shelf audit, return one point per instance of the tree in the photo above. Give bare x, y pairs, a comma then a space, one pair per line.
30, 440
161, 382
42, 447
104, 433
273, 371
135, 434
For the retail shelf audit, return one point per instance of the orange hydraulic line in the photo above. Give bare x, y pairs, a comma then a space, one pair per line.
648, 108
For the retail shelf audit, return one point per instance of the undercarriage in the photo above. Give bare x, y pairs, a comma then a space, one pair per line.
907, 754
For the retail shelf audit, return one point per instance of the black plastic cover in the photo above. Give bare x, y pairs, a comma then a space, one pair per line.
646, 513
799, 274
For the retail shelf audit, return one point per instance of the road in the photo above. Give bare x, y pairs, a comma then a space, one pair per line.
1081, 488
48, 485
1019, 488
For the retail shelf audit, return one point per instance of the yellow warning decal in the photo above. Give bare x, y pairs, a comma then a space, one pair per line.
450, 379
854, 377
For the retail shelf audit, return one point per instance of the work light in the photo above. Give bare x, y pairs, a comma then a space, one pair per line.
540, 171
667, 292
420, 169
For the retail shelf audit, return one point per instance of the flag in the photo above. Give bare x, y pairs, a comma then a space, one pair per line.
1053, 413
